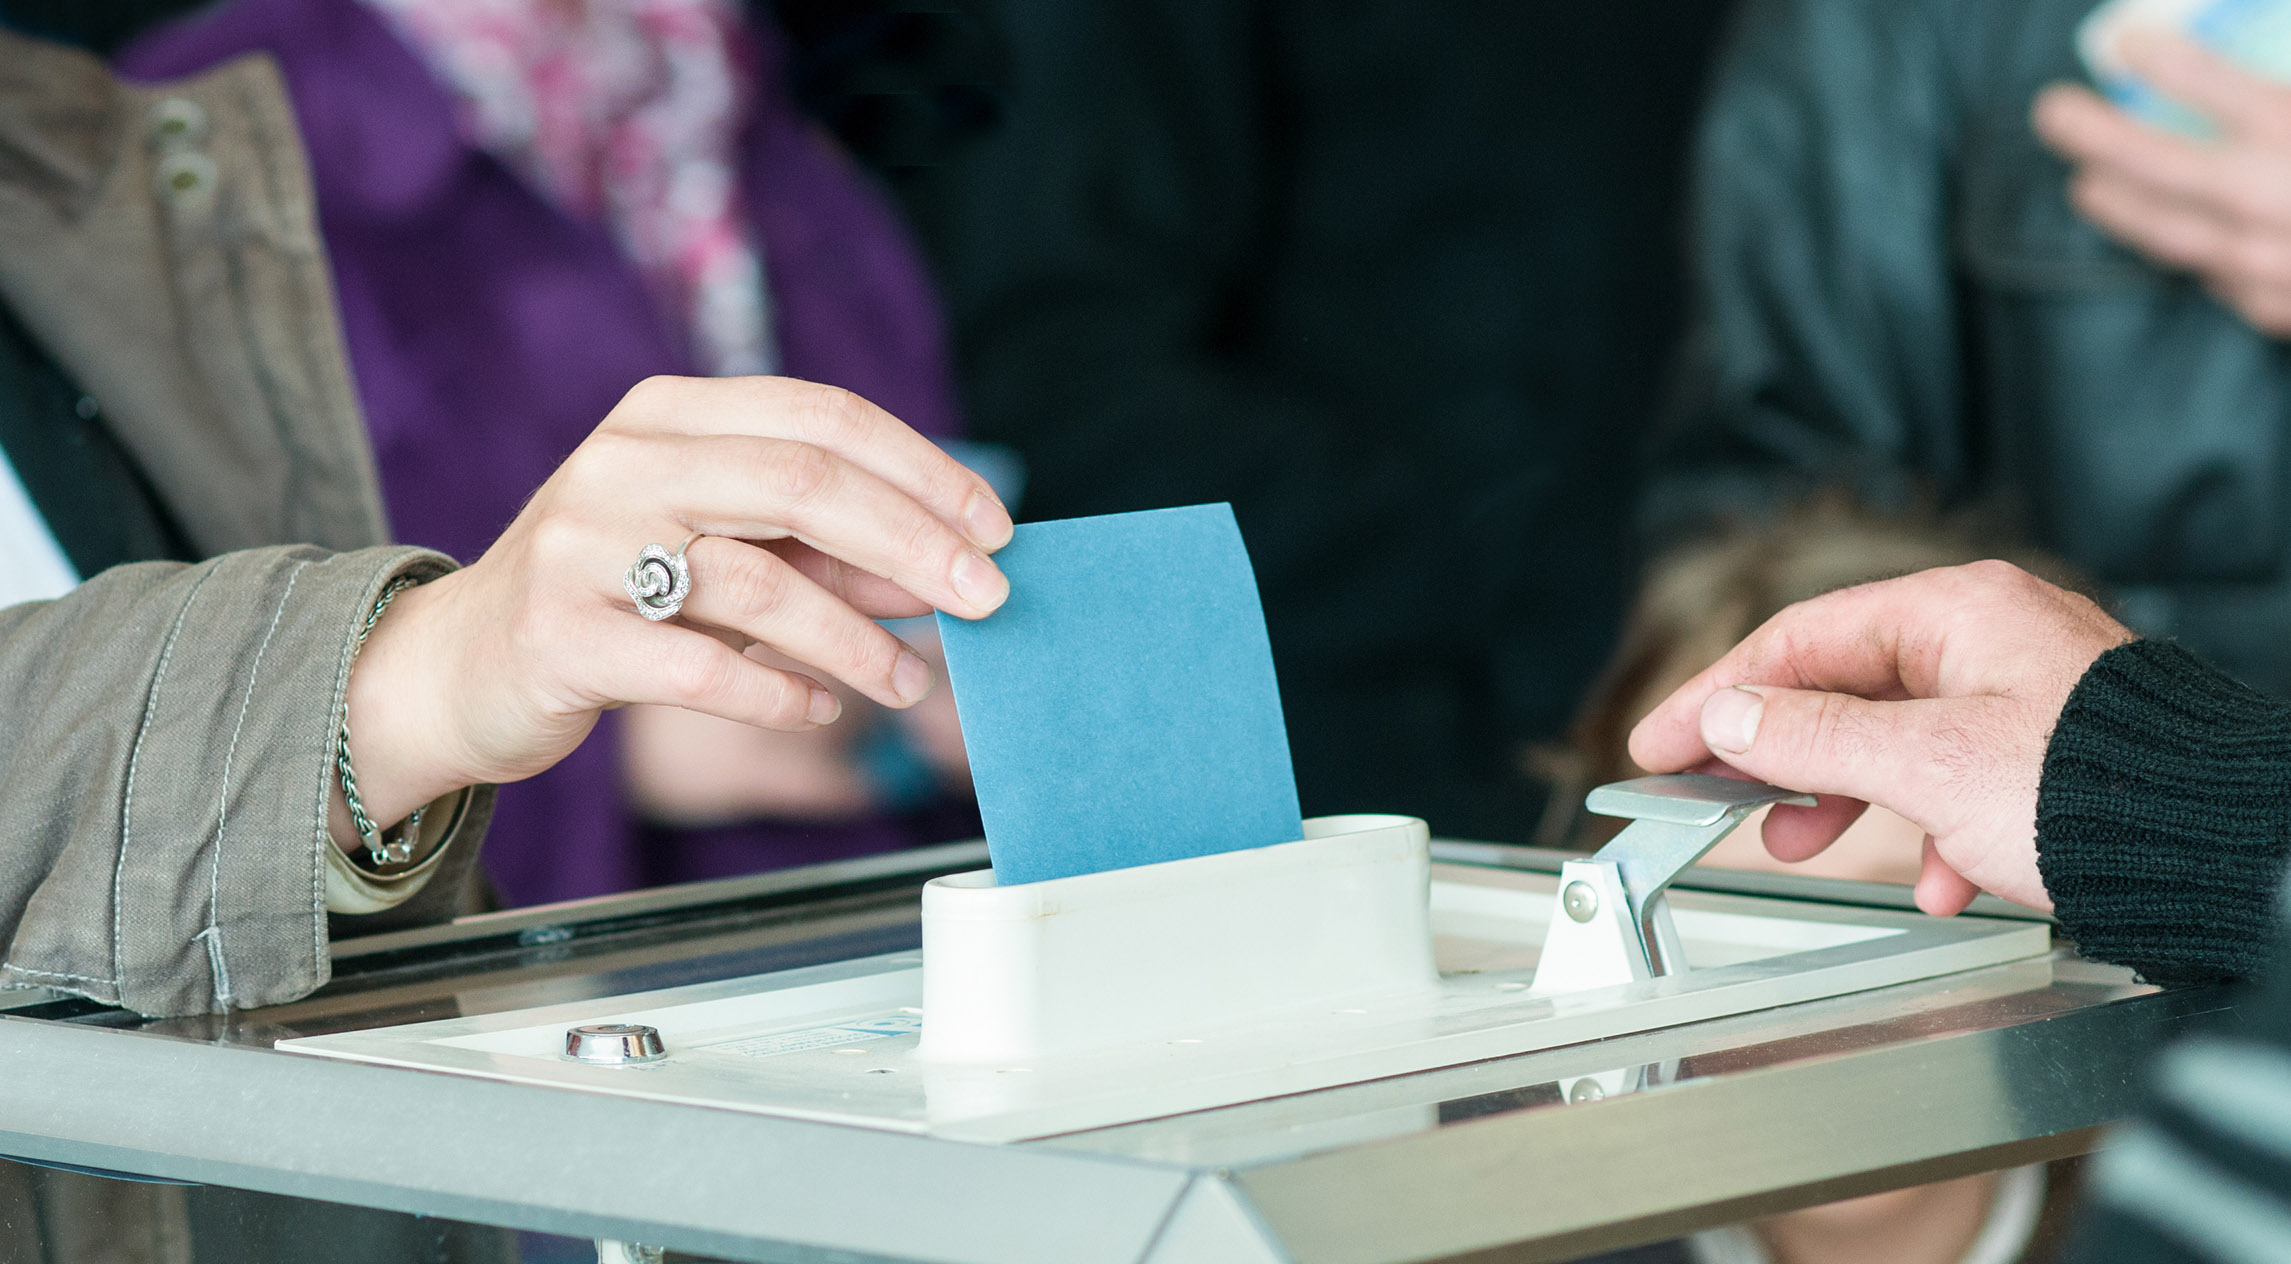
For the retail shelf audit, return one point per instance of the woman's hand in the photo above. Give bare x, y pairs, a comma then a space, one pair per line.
2220, 209
819, 514
1933, 695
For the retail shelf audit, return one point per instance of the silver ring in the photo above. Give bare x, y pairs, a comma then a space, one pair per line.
659, 581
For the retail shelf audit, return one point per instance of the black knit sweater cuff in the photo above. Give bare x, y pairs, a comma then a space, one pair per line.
2163, 823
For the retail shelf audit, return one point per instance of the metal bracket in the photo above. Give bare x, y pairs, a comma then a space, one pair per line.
1613, 923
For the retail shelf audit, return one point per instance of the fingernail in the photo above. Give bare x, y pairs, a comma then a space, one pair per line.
1730, 720
986, 522
824, 707
910, 678
978, 583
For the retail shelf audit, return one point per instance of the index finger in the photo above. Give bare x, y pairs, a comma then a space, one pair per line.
1850, 641
832, 419
768, 489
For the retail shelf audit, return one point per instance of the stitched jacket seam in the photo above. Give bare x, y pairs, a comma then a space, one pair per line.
223, 797
134, 761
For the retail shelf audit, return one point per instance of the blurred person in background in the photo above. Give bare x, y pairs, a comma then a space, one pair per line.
1394, 280
1934, 271
530, 204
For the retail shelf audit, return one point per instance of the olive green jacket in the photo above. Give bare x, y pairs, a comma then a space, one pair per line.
167, 731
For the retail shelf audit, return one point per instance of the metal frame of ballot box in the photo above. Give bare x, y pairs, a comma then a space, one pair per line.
1543, 1156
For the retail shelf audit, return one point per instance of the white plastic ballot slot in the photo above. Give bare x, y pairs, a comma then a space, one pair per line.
1154, 951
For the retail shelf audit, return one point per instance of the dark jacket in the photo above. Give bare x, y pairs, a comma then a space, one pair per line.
1894, 295
1393, 279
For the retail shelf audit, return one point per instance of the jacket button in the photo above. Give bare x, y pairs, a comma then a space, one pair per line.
185, 175
175, 123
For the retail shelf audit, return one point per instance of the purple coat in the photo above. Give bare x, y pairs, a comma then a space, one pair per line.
488, 333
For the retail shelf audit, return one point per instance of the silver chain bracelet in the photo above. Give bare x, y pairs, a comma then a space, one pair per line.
380, 850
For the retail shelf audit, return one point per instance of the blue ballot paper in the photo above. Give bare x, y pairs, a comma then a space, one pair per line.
1120, 708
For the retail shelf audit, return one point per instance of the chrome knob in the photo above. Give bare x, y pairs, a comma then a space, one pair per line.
614, 1044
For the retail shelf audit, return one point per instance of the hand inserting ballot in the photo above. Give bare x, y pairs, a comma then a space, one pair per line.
816, 513
1933, 695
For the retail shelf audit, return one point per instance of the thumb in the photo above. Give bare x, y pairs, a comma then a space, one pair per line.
1829, 743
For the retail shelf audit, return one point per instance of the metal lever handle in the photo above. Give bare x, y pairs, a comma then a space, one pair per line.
1613, 923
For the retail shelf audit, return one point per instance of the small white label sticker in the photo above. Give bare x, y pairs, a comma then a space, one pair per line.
823, 1037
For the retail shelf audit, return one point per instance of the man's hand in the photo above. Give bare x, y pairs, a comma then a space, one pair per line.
1933, 695
2220, 209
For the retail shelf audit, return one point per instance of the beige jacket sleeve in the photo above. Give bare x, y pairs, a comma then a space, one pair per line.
166, 757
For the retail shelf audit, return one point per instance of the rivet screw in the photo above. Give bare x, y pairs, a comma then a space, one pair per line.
1580, 901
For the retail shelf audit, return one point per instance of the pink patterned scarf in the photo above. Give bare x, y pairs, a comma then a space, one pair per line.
628, 110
